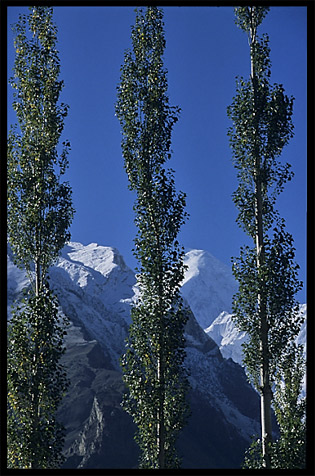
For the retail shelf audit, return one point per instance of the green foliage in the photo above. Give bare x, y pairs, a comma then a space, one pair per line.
143, 106
279, 275
39, 205
265, 306
253, 456
290, 409
249, 18
289, 450
262, 126
36, 382
153, 363
40, 212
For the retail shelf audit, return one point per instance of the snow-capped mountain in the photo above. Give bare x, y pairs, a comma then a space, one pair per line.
229, 339
208, 286
96, 290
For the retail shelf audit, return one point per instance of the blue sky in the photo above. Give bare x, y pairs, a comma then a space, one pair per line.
204, 53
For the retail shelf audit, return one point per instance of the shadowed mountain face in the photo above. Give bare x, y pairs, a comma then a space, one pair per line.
96, 291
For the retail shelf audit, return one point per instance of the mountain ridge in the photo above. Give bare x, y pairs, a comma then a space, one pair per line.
96, 291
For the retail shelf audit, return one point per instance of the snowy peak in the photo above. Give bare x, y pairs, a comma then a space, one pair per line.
97, 270
208, 286
95, 290
102, 259
201, 261
230, 339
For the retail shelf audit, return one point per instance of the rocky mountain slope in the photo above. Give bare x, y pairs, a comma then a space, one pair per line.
96, 291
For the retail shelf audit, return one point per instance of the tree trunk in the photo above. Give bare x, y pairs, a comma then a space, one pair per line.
160, 418
161, 359
161, 369
35, 396
35, 425
37, 277
265, 389
265, 398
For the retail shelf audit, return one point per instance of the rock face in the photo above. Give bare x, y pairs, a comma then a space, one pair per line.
96, 291
99, 434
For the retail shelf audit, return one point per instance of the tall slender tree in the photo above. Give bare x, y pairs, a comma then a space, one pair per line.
265, 306
40, 212
153, 363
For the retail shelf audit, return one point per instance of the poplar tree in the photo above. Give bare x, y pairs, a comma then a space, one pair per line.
152, 366
39, 214
265, 306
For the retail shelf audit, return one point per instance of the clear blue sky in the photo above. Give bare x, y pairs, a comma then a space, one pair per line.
205, 51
